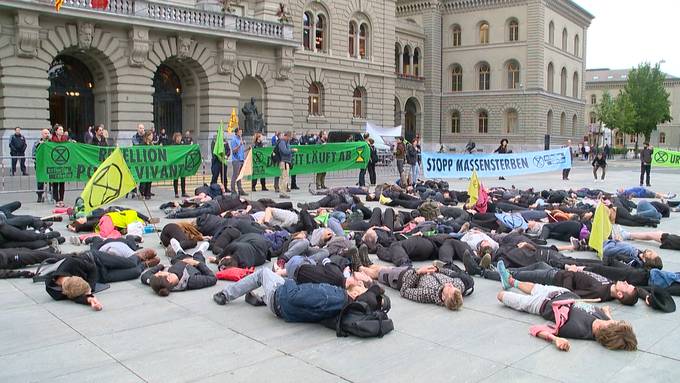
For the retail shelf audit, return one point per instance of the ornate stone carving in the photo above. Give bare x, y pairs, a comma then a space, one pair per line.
285, 63
85, 35
226, 56
27, 34
139, 46
184, 47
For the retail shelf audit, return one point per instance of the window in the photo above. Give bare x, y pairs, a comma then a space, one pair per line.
549, 122
307, 31
484, 33
563, 124
456, 35
457, 78
565, 36
320, 43
551, 33
593, 99
632, 138
484, 76
455, 122
618, 139
511, 121
575, 86
551, 78
513, 75
577, 46
314, 100
363, 38
406, 67
483, 122
574, 124
352, 39
593, 118
513, 30
358, 103
662, 138
563, 82
416, 62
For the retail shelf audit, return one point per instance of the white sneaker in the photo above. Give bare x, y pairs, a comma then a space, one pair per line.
202, 247
176, 246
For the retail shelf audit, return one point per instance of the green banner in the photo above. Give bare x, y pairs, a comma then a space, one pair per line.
314, 159
70, 161
666, 158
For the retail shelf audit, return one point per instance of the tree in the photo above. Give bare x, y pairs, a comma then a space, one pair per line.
648, 97
617, 113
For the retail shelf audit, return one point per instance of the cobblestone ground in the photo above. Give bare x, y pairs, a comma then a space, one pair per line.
186, 337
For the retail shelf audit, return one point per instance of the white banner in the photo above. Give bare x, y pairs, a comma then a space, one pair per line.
375, 130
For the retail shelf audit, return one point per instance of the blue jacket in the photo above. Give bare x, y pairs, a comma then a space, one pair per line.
285, 151
309, 302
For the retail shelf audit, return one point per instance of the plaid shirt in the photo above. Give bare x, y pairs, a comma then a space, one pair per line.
428, 288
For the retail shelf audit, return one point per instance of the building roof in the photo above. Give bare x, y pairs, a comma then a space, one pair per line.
612, 75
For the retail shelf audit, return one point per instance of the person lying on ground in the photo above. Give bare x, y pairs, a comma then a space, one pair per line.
667, 240
643, 192
187, 272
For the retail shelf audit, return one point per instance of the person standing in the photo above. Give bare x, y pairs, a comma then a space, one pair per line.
258, 142
599, 162
145, 187
373, 160
89, 135
177, 140
286, 158
44, 137
163, 138
237, 158
17, 149
607, 151
138, 138
321, 177
565, 172
217, 168
293, 178
187, 140
400, 156
646, 163
502, 149
362, 172
58, 188
412, 161
99, 139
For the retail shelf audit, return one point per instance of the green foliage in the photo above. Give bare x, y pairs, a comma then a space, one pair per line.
648, 99
617, 113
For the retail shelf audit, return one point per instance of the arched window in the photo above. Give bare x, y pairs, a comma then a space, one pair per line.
397, 57
662, 138
513, 30
563, 124
511, 121
513, 75
315, 99
320, 40
551, 78
549, 122
577, 46
307, 31
593, 118
406, 66
565, 36
352, 39
457, 78
593, 99
484, 33
618, 139
563, 82
416, 62
551, 33
483, 122
484, 76
358, 99
457, 34
574, 124
455, 122
575, 86
363, 41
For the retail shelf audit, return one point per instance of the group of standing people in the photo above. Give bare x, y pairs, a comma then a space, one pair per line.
408, 158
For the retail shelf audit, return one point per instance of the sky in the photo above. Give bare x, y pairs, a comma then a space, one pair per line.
625, 33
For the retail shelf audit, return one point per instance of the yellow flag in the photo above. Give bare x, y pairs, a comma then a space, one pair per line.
58, 4
111, 181
473, 188
233, 121
247, 168
602, 228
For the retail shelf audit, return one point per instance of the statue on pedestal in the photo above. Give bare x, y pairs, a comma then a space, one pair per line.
253, 121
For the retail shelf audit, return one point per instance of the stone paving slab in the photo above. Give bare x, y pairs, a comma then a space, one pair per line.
140, 337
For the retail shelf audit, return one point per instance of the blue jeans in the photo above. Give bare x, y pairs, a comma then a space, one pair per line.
415, 173
263, 277
663, 279
309, 302
647, 210
614, 248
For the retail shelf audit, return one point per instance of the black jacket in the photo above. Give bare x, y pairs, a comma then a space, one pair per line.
72, 267
250, 250
17, 145
198, 277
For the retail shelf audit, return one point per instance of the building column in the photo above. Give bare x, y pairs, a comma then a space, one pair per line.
400, 64
411, 71
431, 70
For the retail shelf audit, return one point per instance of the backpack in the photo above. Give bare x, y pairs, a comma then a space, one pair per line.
359, 319
46, 269
276, 155
429, 210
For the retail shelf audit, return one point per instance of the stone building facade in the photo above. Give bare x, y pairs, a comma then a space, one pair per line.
314, 65
599, 81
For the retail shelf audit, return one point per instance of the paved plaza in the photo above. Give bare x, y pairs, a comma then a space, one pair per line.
140, 337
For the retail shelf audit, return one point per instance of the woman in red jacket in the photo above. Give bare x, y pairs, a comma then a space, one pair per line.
58, 188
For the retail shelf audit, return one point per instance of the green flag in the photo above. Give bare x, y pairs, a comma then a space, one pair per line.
218, 150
